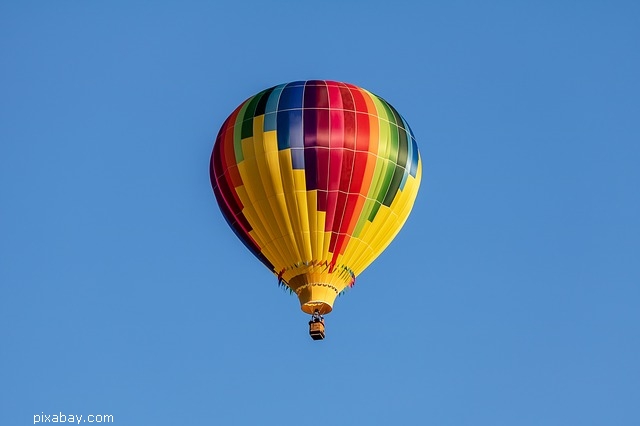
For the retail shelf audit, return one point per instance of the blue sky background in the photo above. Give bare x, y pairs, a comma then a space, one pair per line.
511, 297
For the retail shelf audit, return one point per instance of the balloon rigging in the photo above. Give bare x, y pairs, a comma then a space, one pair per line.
316, 178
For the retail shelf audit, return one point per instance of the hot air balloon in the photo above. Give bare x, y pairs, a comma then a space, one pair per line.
315, 178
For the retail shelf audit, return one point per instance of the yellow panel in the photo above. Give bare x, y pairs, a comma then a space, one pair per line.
266, 181
300, 184
269, 168
267, 250
354, 247
270, 141
287, 243
253, 186
320, 234
299, 180
312, 209
263, 219
259, 233
286, 171
252, 216
377, 227
306, 232
398, 214
272, 163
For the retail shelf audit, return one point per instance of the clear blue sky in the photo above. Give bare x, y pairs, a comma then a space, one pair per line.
511, 297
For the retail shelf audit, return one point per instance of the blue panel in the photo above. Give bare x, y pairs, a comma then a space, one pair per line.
406, 126
289, 129
291, 97
272, 103
270, 121
297, 158
415, 155
296, 136
283, 130
405, 175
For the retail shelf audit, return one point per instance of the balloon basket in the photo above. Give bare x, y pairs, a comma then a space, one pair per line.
316, 330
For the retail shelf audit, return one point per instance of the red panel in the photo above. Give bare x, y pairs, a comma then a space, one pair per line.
356, 200
341, 205
229, 156
333, 242
349, 123
233, 170
335, 97
332, 198
322, 200
341, 244
358, 99
335, 168
334, 212
347, 98
363, 136
322, 130
359, 168
322, 156
348, 159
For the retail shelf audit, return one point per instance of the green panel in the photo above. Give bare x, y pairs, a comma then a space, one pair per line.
237, 134
247, 121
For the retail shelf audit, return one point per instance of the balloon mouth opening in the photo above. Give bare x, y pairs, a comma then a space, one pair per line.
316, 292
312, 306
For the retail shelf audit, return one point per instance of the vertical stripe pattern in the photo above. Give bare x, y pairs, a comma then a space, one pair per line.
316, 178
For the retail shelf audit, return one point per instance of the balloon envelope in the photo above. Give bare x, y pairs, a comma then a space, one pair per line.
316, 178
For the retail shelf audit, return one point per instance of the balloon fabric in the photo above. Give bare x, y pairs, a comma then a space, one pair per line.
316, 178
